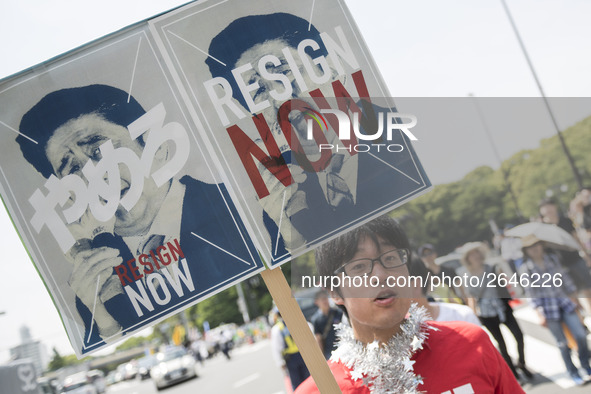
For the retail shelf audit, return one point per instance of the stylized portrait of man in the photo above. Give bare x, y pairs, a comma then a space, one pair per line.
319, 200
137, 253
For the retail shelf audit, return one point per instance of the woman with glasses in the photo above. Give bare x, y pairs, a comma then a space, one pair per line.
490, 302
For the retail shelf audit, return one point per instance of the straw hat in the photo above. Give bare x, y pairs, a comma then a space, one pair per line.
529, 240
470, 247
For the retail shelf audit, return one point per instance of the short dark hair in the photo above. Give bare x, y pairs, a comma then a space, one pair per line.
425, 247
61, 106
246, 32
333, 254
416, 268
547, 201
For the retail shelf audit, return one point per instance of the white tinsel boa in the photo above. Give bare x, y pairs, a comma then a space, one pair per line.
385, 369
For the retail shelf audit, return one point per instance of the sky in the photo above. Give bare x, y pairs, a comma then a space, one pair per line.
423, 48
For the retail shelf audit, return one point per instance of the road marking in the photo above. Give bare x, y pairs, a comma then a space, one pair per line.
247, 379
125, 385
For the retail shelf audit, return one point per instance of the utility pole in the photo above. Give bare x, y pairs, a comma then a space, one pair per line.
533, 71
498, 156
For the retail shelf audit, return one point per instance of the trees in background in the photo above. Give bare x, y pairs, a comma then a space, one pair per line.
459, 212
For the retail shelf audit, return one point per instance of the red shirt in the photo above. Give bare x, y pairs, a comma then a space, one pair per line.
459, 358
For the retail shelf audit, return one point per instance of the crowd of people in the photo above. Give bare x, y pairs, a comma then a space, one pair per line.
383, 339
437, 338
560, 305
390, 344
449, 346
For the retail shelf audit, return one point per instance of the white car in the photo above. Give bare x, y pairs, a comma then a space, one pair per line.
173, 365
78, 383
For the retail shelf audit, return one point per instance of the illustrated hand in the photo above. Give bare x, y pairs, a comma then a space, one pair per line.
93, 279
94, 283
283, 202
87, 227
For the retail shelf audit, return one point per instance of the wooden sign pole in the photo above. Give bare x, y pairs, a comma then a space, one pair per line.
300, 331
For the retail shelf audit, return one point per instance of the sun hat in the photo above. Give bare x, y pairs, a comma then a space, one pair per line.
529, 240
469, 247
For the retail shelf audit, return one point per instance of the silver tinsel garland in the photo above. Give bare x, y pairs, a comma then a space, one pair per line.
385, 368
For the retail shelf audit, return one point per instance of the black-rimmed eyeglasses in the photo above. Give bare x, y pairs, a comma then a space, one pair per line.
392, 259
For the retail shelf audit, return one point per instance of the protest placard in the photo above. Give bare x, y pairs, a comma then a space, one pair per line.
115, 199
269, 80
152, 168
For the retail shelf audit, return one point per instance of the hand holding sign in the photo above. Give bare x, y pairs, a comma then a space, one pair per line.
93, 279
283, 202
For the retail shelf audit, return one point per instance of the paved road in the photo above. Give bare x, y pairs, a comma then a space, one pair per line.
543, 357
252, 370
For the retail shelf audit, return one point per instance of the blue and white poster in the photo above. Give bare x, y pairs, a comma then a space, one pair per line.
277, 86
152, 168
113, 193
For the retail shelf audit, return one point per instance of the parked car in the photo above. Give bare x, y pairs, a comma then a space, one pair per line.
78, 383
128, 370
97, 377
175, 365
113, 377
144, 365
48, 385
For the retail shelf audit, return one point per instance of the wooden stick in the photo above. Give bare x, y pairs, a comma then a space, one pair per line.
300, 331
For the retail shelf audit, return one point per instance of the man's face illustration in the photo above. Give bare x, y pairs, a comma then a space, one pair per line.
78, 140
275, 48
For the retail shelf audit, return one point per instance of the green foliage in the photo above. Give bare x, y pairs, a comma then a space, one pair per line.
303, 265
448, 216
258, 298
459, 212
58, 361
221, 308
133, 342
536, 171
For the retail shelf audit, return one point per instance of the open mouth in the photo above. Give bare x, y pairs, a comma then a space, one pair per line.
385, 297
